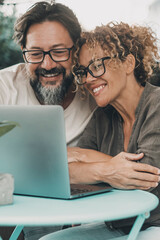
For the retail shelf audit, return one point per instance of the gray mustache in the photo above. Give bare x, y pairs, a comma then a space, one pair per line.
51, 71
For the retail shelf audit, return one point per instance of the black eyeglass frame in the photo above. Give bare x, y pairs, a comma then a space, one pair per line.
86, 69
48, 53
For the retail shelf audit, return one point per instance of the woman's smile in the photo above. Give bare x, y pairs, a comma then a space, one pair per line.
96, 90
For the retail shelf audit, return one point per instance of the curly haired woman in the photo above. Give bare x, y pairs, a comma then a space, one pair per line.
122, 140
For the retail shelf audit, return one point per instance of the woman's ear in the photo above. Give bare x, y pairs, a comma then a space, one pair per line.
130, 63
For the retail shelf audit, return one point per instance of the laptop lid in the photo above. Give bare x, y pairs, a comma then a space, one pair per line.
35, 152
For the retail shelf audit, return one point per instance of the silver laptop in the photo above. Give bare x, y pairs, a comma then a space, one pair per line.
35, 153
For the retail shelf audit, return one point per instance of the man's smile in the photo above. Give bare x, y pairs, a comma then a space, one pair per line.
50, 77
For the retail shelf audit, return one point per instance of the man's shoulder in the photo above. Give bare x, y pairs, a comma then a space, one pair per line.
13, 70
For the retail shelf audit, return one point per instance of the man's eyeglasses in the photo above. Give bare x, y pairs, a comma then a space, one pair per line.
96, 69
57, 55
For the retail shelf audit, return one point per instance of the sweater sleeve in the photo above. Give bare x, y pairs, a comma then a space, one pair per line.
148, 141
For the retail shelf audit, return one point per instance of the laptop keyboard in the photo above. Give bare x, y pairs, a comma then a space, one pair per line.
84, 188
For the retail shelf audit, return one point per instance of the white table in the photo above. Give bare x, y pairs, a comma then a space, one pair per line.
114, 205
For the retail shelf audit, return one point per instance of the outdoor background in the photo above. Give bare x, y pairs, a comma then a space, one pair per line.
90, 13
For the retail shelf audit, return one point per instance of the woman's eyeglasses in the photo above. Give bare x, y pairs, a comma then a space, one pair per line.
96, 69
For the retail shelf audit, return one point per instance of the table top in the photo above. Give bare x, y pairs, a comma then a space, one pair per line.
37, 211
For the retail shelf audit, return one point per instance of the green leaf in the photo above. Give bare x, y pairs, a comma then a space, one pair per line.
6, 126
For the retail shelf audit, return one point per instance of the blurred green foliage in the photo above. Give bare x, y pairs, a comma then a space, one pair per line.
10, 52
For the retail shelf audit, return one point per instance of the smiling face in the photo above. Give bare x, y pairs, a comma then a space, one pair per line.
109, 87
50, 80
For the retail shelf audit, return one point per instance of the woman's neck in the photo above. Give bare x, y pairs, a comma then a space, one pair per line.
127, 103
126, 107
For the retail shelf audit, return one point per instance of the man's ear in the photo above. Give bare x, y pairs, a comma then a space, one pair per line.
22, 50
130, 63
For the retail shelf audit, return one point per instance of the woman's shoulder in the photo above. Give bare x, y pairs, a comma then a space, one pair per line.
150, 101
153, 93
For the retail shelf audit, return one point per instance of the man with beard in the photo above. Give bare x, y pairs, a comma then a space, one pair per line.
47, 34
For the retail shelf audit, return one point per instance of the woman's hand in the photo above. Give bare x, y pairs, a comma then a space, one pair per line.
122, 171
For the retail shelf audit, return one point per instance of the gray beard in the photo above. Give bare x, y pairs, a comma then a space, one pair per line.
49, 95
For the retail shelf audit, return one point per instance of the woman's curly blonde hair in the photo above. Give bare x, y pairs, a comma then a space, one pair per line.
120, 39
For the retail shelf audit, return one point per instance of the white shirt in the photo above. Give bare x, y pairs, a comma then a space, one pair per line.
15, 89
